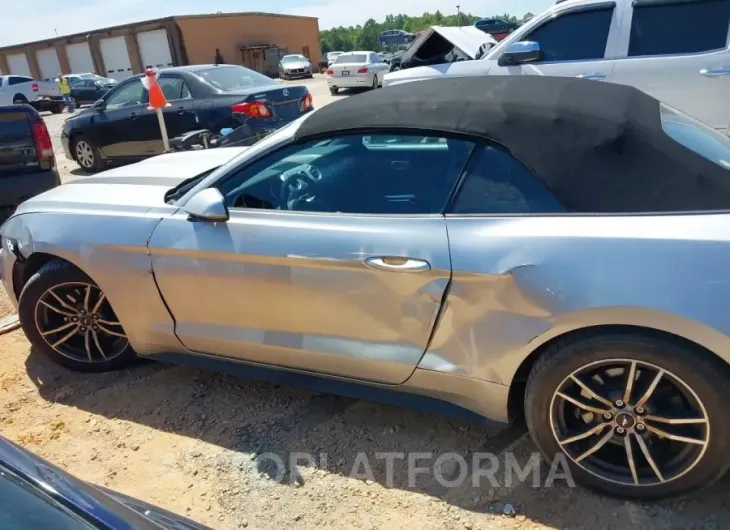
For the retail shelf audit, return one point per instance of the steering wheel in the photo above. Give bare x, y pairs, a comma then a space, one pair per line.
297, 186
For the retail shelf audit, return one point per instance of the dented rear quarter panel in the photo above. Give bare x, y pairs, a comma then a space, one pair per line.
519, 282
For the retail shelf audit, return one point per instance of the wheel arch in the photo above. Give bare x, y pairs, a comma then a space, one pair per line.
24, 270
515, 403
20, 96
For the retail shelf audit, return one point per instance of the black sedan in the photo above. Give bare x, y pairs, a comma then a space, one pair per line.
36, 494
119, 127
86, 91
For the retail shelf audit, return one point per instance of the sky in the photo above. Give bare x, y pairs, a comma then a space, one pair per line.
29, 20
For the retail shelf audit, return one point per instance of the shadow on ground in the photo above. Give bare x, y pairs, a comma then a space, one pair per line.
261, 418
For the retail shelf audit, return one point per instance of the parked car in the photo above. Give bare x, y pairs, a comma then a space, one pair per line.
120, 128
445, 44
513, 256
41, 95
74, 78
358, 69
331, 56
37, 494
86, 91
627, 42
496, 27
395, 36
27, 162
293, 66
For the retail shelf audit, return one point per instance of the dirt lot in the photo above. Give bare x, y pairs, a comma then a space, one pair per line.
189, 440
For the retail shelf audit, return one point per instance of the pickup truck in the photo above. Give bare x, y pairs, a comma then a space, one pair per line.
640, 43
27, 162
42, 95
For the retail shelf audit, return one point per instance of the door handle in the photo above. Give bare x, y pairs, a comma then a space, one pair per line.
596, 75
395, 264
715, 72
134, 115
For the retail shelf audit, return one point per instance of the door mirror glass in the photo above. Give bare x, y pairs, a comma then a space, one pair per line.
207, 205
99, 105
520, 53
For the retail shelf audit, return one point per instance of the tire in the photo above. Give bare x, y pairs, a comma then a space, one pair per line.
35, 316
58, 109
395, 68
87, 155
19, 100
695, 372
375, 82
334, 91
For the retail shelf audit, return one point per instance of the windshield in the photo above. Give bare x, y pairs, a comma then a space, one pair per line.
351, 58
90, 76
695, 135
233, 78
22, 505
332, 55
293, 59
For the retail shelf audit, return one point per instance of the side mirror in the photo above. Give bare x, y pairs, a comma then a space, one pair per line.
520, 53
99, 105
207, 205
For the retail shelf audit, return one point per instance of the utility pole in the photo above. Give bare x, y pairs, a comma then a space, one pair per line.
458, 15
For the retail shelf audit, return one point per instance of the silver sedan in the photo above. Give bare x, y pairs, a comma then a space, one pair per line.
393, 240
359, 69
295, 66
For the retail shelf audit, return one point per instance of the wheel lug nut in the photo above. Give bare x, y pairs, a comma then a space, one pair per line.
640, 427
83, 329
75, 319
639, 410
607, 416
620, 430
619, 403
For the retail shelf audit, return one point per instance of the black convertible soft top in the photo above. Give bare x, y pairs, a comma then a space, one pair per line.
598, 147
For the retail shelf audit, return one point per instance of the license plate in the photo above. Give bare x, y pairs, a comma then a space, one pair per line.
345, 72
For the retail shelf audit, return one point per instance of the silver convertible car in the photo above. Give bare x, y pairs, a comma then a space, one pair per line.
558, 248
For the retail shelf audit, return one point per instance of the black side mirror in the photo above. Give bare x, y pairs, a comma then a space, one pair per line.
520, 53
99, 105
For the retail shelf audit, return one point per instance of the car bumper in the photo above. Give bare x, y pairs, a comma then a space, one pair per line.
65, 142
15, 189
297, 75
350, 81
7, 263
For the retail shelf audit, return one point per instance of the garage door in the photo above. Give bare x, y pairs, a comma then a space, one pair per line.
18, 64
79, 58
48, 63
154, 49
116, 58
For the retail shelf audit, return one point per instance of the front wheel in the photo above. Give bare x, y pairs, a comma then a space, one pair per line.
57, 109
67, 317
87, 155
638, 417
334, 91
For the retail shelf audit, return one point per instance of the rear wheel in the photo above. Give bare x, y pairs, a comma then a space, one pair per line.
67, 317
333, 91
57, 109
87, 155
375, 82
19, 100
637, 417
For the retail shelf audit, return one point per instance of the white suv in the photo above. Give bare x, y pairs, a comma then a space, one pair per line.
675, 51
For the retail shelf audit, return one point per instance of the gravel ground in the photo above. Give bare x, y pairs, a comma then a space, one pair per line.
199, 444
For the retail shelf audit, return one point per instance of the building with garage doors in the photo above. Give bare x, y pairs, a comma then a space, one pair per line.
255, 40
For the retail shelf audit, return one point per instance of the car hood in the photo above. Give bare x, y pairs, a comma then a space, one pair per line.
113, 509
134, 188
419, 73
297, 65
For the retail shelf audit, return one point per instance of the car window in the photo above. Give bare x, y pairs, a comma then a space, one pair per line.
497, 183
233, 78
695, 135
679, 27
349, 174
174, 88
131, 94
351, 58
24, 506
16, 80
579, 36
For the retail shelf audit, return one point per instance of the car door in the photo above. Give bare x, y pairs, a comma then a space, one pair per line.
678, 52
116, 129
577, 41
341, 271
380, 67
87, 91
180, 116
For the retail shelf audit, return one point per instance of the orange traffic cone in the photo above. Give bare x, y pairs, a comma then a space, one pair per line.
157, 98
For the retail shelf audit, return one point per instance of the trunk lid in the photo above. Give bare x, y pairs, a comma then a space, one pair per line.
17, 146
346, 69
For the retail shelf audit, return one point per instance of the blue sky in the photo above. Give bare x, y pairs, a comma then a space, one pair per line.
28, 20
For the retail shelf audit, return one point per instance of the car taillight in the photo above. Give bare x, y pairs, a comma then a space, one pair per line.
34, 86
330, 71
256, 109
43, 146
307, 101
362, 70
